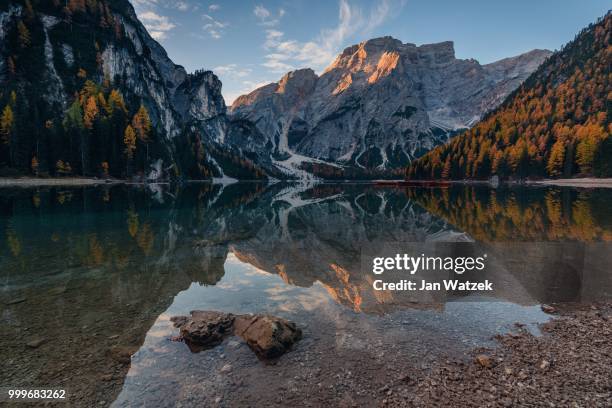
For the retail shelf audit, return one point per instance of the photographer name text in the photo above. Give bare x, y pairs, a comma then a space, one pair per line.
412, 265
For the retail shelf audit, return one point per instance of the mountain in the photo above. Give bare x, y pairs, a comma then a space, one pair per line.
379, 105
87, 91
556, 124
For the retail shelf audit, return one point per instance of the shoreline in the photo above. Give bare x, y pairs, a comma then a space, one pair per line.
56, 181
522, 369
589, 182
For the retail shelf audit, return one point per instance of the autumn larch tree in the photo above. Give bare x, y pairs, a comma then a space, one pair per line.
6, 128
129, 140
142, 125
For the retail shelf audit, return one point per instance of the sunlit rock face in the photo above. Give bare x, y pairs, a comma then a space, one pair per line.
381, 103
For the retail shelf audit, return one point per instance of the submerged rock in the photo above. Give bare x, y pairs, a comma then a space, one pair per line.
204, 329
268, 336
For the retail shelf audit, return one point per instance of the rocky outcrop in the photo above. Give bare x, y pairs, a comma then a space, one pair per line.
268, 336
381, 103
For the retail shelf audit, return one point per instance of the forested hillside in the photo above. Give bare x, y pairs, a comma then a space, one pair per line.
557, 124
85, 90
98, 130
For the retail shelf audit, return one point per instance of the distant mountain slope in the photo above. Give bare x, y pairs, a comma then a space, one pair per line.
556, 124
85, 90
380, 104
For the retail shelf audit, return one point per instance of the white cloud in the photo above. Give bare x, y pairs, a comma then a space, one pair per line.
181, 5
145, 3
382, 11
261, 12
273, 38
276, 65
157, 25
285, 54
232, 70
214, 7
213, 27
266, 17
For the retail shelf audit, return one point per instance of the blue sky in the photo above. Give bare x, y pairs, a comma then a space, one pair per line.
250, 43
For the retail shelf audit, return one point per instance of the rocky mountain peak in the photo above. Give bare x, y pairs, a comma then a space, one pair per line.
372, 49
365, 55
381, 103
293, 86
301, 80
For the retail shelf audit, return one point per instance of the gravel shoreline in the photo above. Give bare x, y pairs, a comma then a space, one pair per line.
569, 365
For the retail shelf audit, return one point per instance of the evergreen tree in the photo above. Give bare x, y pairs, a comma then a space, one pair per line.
74, 126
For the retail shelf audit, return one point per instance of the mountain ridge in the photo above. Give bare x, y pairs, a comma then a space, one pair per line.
396, 100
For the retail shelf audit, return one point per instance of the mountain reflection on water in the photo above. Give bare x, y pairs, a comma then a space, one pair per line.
91, 272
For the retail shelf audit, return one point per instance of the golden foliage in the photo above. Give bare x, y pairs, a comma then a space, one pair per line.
556, 124
129, 140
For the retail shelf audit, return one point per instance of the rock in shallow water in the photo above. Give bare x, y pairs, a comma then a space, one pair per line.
204, 329
268, 336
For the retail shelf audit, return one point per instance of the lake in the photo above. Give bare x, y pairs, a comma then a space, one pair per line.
91, 276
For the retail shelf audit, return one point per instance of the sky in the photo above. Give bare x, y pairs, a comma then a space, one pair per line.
251, 43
